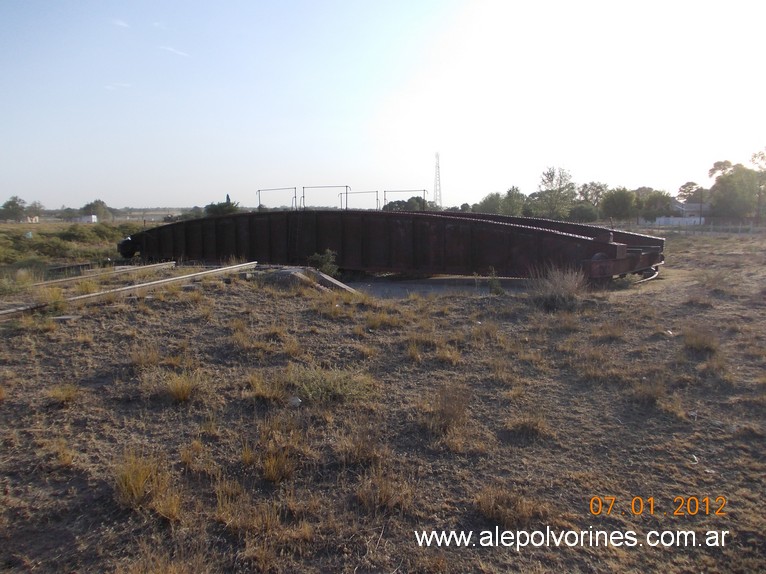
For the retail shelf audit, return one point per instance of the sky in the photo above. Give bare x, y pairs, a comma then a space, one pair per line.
177, 103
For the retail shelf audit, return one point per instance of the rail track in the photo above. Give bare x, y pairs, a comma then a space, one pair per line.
105, 286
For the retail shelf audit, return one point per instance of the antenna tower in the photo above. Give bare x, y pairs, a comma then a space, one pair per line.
437, 184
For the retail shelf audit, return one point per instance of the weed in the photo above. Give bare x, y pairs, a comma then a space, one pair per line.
64, 394
487, 331
86, 287
191, 453
609, 332
365, 351
267, 390
278, 464
52, 298
528, 428
152, 559
378, 491
495, 287
382, 320
447, 410
166, 501
360, 446
133, 479
325, 386
144, 356
448, 354
501, 369
181, 387
649, 392
325, 262
248, 454
557, 288
84, 338
700, 342
210, 425
504, 508
292, 348
413, 352
63, 454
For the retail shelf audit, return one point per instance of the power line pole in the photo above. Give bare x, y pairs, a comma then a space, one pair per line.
437, 185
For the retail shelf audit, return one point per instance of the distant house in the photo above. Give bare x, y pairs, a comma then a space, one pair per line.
88, 219
685, 209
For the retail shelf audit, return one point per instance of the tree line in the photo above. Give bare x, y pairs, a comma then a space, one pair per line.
736, 195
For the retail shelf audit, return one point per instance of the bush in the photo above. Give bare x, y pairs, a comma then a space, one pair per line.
325, 262
557, 288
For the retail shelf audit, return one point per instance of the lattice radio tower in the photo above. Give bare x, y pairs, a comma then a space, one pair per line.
437, 184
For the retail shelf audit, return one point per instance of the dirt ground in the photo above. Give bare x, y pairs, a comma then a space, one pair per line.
253, 425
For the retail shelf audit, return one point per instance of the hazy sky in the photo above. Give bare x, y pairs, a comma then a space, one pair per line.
177, 103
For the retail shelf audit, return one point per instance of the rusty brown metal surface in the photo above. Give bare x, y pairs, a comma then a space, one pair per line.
423, 242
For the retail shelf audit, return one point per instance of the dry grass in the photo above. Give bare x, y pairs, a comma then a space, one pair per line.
528, 427
447, 409
324, 386
381, 492
509, 510
649, 392
184, 386
273, 389
557, 289
64, 394
135, 477
700, 341
540, 412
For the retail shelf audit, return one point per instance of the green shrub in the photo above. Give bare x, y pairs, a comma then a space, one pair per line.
325, 262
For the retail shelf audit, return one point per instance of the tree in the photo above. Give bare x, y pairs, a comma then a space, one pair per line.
13, 209
592, 192
555, 195
655, 204
512, 203
465, 207
67, 213
720, 167
618, 203
735, 192
35, 209
222, 208
489, 204
690, 192
97, 208
759, 161
583, 212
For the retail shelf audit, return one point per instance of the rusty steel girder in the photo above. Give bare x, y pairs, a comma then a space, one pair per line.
409, 242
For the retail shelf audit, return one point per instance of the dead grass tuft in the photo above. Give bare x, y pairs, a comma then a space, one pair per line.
325, 386
271, 390
361, 445
528, 428
649, 392
502, 507
447, 409
700, 342
379, 491
382, 319
134, 477
557, 288
64, 394
182, 387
